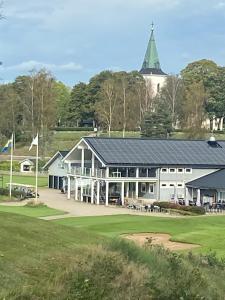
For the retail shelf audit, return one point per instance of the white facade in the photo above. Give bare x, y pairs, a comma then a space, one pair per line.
156, 82
26, 166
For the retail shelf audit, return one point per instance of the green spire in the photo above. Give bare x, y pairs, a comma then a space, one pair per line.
151, 60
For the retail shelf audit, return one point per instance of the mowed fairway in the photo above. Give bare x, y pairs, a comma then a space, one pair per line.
207, 231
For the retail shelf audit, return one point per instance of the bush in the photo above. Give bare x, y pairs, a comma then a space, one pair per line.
197, 210
73, 129
34, 204
5, 166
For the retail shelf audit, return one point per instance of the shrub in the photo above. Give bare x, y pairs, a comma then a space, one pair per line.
5, 166
198, 210
34, 204
73, 128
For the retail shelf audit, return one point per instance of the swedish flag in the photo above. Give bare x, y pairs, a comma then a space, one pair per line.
7, 146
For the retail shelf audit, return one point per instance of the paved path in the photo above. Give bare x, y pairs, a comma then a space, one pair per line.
54, 199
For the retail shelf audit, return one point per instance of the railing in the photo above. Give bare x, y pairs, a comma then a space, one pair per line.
99, 173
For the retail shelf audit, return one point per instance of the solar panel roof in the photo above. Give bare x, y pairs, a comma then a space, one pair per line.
134, 151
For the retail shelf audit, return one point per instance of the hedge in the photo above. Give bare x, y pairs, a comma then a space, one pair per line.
73, 129
198, 210
5, 166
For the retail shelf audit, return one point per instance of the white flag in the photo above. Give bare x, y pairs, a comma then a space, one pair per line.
34, 142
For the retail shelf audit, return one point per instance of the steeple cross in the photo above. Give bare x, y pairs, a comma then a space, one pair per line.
152, 26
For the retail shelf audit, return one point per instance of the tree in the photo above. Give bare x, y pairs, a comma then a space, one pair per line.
157, 124
199, 71
215, 105
105, 108
62, 93
77, 107
194, 110
172, 94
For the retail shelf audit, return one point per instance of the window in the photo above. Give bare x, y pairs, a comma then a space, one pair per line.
188, 170
158, 87
172, 170
164, 170
172, 185
163, 185
151, 188
180, 185
180, 170
143, 187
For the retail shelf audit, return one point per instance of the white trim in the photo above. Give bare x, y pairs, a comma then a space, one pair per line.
49, 161
182, 172
89, 147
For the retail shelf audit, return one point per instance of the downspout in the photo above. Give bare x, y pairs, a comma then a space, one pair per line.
159, 171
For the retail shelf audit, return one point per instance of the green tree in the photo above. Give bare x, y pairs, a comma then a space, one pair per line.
157, 124
62, 93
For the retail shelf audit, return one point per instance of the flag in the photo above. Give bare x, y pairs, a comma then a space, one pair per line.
34, 142
8, 145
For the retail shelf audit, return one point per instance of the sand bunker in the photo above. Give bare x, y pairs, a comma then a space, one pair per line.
162, 239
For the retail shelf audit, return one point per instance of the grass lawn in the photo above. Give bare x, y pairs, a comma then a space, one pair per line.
45, 260
30, 180
31, 211
206, 231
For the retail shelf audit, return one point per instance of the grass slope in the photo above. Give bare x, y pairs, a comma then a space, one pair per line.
44, 260
39, 211
206, 231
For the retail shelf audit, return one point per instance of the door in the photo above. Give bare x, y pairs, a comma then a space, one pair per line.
50, 181
60, 183
56, 180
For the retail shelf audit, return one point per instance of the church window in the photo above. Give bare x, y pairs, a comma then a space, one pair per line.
158, 87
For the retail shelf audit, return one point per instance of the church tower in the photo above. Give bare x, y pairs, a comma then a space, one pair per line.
151, 69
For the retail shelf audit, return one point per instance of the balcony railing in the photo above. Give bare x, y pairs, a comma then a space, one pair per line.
87, 172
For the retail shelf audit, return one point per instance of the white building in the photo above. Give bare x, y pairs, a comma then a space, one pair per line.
27, 166
115, 170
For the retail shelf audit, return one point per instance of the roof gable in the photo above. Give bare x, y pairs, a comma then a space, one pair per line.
61, 154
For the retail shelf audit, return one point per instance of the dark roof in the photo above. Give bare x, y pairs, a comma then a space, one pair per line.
152, 71
139, 151
63, 153
54, 157
215, 180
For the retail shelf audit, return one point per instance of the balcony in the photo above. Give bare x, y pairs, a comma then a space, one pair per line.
87, 172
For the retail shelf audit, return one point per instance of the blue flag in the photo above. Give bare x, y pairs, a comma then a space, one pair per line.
7, 146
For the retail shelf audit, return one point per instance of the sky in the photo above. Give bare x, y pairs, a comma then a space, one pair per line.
76, 39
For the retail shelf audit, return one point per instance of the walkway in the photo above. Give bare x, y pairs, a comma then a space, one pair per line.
54, 199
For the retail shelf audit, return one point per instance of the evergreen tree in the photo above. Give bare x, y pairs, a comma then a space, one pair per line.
157, 124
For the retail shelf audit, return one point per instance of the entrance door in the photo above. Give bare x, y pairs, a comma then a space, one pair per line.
56, 181
50, 181
60, 183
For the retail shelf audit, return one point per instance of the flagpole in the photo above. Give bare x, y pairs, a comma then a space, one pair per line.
11, 167
36, 194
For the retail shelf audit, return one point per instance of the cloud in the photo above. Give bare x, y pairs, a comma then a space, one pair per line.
220, 5
32, 64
